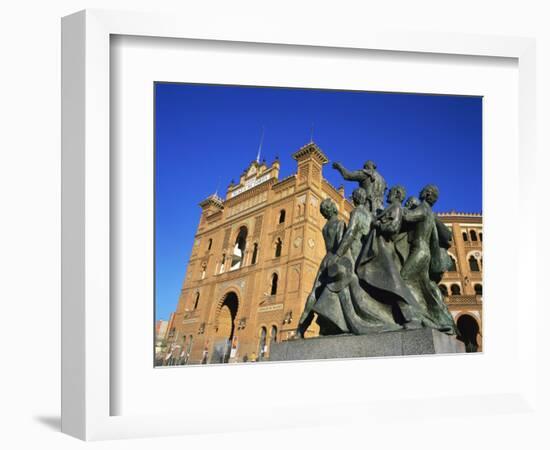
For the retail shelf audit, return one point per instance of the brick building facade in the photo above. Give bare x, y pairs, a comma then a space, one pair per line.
463, 286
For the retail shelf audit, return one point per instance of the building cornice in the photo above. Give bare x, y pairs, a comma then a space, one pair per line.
459, 214
287, 180
252, 192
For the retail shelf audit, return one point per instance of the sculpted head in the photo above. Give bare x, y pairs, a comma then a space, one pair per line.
412, 202
369, 165
396, 194
430, 194
359, 196
328, 208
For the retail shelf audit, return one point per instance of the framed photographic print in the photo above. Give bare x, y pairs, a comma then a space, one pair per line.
259, 214
284, 255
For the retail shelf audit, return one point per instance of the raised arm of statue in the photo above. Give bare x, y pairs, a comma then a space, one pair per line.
356, 175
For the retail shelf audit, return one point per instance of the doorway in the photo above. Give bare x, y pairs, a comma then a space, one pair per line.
468, 329
226, 327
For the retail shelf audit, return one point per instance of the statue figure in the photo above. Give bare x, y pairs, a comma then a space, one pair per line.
442, 264
359, 225
402, 244
412, 202
332, 234
424, 254
390, 224
389, 221
379, 266
380, 272
370, 180
345, 306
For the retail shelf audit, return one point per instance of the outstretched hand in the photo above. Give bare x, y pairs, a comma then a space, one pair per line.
336, 165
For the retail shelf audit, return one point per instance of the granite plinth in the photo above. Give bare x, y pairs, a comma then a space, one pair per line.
425, 341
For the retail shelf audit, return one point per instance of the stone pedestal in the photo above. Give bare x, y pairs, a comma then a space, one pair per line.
425, 341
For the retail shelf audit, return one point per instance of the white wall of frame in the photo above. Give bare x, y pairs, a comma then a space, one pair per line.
30, 236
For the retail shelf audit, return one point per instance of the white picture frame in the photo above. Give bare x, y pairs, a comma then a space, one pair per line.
86, 241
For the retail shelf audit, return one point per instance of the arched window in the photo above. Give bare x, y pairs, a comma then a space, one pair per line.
240, 247
473, 235
196, 304
261, 344
452, 266
474, 265
273, 333
274, 281
455, 289
478, 288
183, 355
282, 216
481, 237
272, 336
209, 244
465, 236
222, 264
255, 254
278, 247
189, 346
444, 290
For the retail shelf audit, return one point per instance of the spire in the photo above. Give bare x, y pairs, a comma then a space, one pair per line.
311, 134
217, 187
260, 146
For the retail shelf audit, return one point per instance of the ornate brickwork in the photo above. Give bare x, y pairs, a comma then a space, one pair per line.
258, 226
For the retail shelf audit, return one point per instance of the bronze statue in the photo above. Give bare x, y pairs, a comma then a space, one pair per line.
332, 234
341, 304
379, 266
370, 180
389, 221
412, 202
361, 312
424, 253
359, 226
380, 271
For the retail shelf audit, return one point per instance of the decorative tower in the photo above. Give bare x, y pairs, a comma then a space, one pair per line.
310, 159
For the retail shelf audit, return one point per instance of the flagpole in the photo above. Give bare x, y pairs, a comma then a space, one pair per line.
260, 146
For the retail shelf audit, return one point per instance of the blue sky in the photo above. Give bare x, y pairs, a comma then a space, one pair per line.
206, 135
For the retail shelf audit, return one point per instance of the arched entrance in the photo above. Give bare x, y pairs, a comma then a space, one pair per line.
468, 329
225, 327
